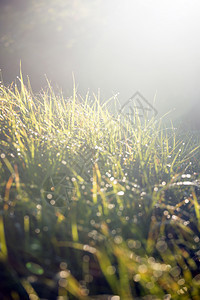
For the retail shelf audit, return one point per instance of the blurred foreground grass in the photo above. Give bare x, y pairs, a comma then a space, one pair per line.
93, 204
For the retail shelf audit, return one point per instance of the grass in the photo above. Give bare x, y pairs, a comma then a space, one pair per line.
93, 203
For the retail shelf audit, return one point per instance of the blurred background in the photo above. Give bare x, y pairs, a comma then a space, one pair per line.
112, 45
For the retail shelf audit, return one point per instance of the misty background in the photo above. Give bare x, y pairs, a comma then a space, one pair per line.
112, 45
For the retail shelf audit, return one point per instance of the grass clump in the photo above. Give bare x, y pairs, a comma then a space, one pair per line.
93, 203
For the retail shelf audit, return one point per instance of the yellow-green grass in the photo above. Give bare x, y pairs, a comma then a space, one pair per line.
93, 203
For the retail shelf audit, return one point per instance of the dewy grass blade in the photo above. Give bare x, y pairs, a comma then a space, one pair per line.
3, 246
87, 185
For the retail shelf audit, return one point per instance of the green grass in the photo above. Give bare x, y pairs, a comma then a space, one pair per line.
92, 203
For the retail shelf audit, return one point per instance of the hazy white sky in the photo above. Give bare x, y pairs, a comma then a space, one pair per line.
115, 45
151, 46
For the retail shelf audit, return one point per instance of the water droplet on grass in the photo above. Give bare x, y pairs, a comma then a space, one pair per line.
137, 278
118, 239
111, 270
181, 281
161, 246
120, 193
175, 272
142, 268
